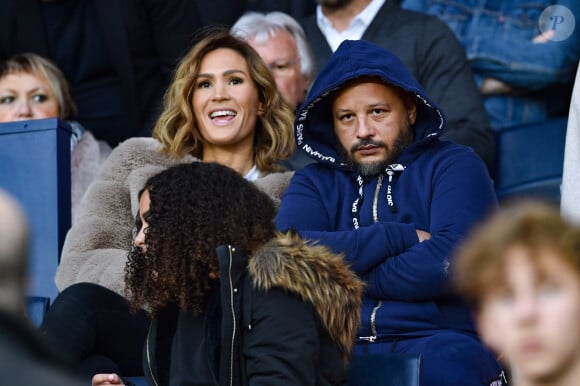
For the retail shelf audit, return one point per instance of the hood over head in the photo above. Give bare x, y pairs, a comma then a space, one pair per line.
314, 127
318, 276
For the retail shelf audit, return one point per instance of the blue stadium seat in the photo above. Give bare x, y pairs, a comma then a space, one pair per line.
136, 381
35, 168
529, 160
384, 369
36, 307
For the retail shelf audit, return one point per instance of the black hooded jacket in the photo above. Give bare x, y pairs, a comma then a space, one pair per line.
287, 315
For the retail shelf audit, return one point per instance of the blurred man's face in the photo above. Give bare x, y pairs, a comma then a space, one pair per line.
280, 54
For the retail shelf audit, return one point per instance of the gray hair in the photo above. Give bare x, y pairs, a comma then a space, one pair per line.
263, 25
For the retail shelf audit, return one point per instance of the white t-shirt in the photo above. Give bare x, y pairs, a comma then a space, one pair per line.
354, 31
253, 174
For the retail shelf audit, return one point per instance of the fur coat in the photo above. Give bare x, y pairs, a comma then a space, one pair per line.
86, 159
96, 246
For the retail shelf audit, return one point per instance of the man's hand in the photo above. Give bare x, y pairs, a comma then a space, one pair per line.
423, 235
492, 86
544, 37
106, 379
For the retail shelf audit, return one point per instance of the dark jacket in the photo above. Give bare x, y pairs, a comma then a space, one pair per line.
437, 60
437, 186
287, 315
143, 39
26, 359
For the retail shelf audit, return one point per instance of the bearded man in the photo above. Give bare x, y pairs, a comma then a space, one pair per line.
395, 200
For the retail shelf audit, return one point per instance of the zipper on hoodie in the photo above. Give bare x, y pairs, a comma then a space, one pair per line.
374, 332
376, 199
232, 292
148, 349
390, 171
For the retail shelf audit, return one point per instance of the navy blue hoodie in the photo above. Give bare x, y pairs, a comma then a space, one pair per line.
436, 186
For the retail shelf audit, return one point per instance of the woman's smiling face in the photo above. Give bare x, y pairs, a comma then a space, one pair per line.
225, 100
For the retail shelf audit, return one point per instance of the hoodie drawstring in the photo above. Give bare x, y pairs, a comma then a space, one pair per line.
357, 203
391, 170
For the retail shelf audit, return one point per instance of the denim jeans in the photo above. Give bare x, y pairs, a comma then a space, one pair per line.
92, 327
498, 39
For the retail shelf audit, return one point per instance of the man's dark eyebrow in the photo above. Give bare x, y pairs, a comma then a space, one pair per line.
380, 104
372, 106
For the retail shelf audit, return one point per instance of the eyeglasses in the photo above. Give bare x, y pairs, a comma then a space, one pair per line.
282, 68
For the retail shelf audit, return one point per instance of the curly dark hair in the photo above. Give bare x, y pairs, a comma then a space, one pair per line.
194, 208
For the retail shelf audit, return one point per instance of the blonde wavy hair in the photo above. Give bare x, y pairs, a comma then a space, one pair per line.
177, 130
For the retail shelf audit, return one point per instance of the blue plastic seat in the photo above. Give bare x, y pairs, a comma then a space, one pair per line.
529, 160
385, 369
36, 307
136, 381
35, 169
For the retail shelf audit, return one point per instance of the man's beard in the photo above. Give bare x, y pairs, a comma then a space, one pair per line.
369, 169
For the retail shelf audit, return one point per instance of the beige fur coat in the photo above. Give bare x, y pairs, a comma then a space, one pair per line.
85, 162
95, 248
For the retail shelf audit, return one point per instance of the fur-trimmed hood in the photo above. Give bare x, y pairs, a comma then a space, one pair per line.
318, 276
